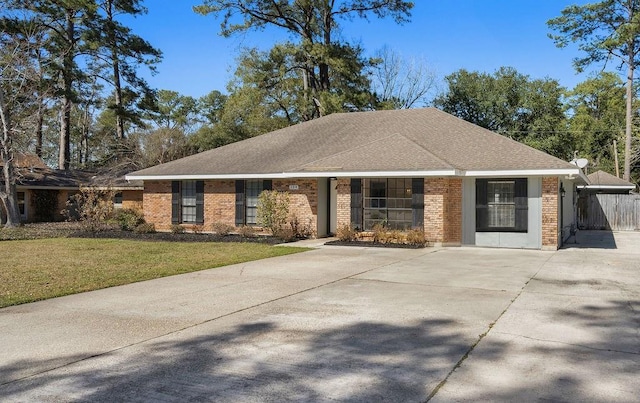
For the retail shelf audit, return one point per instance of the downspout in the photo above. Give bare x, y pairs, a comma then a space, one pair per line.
562, 192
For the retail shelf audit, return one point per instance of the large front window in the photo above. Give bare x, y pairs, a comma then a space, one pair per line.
501, 205
387, 202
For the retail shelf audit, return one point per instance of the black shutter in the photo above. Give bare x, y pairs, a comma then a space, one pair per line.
199, 202
417, 203
175, 202
481, 204
522, 204
239, 203
267, 184
356, 203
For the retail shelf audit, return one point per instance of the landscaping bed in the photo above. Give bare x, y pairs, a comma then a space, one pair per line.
371, 244
175, 237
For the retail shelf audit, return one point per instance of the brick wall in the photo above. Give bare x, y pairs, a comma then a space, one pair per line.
157, 204
344, 202
132, 199
303, 201
443, 210
550, 234
220, 202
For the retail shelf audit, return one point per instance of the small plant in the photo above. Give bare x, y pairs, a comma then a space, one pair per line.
301, 231
273, 210
247, 231
197, 229
177, 229
416, 237
379, 233
145, 228
286, 233
128, 219
346, 233
222, 229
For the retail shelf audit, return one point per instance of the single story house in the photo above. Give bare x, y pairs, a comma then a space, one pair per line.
603, 182
417, 168
43, 192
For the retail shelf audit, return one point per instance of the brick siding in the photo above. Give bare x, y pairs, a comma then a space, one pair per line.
132, 199
443, 210
343, 208
220, 202
550, 234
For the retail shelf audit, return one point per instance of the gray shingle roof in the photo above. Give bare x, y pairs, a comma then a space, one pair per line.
601, 178
398, 141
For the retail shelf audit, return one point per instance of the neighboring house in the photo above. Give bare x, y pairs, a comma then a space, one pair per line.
602, 182
43, 192
418, 168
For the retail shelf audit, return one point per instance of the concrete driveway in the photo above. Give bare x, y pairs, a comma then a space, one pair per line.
347, 324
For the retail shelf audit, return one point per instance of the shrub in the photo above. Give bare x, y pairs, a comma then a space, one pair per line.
247, 231
177, 229
93, 207
197, 229
128, 219
301, 231
222, 229
145, 228
379, 233
273, 210
346, 233
416, 237
286, 233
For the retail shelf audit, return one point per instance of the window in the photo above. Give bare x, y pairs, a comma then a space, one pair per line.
247, 193
22, 203
501, 205
117, 200
187, 202
388, 202
253, 188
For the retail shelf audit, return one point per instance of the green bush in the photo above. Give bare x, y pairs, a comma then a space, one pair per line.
128, 219
273, 210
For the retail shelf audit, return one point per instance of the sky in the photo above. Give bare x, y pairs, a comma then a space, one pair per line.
448, 35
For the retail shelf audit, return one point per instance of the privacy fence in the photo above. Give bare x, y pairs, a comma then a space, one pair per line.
617, 212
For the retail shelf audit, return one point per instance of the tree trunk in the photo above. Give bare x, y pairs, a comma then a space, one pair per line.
39, 131
8, 194
116, 71
64, 156
629, 121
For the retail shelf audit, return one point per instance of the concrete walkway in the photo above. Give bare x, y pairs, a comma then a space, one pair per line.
347, 324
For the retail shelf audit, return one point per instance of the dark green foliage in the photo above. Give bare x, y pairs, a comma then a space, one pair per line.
45, 204
129, 219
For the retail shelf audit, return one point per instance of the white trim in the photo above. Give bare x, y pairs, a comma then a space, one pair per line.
615, 187
525, 172
293, 175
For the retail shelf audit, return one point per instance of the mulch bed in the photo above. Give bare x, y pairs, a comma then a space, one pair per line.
371, 244
171, 237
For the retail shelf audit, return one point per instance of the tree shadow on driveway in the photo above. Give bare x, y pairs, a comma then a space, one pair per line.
262, 361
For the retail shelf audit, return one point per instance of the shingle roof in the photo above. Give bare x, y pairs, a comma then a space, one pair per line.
604, 179
398, 141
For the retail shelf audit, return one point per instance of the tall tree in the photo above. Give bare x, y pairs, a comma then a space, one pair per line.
312, 23
512, 104
605, 31
118, 49
597, 118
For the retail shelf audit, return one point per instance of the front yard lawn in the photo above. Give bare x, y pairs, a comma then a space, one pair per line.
45, 268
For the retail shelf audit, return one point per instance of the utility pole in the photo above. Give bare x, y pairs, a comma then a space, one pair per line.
615, 157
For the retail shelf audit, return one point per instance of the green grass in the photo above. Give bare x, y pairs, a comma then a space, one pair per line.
34, 270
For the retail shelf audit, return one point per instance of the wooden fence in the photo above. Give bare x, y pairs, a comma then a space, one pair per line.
617, 212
